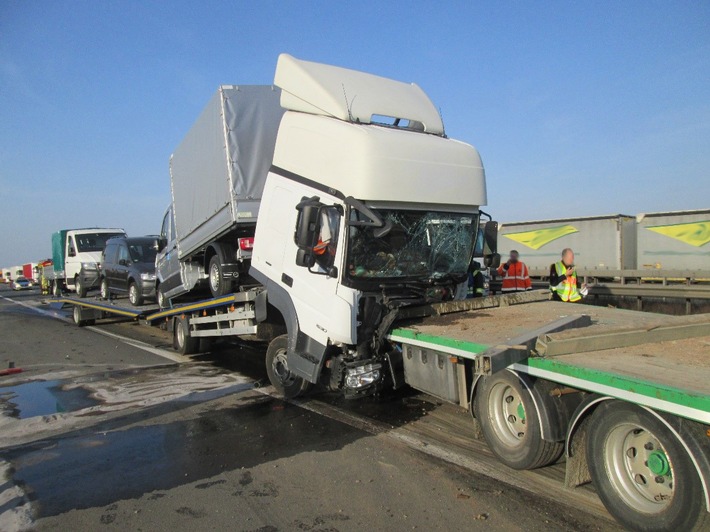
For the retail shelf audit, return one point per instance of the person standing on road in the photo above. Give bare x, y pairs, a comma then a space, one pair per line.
515, 275
564, 284
476, 286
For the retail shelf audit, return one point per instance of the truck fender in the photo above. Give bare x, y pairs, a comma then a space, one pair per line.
226, 255
553, 412
305, 355
691, 435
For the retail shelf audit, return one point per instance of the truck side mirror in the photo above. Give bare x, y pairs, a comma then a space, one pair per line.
307, 230
491, 258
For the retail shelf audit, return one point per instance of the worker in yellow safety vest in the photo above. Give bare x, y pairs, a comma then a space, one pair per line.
564, 284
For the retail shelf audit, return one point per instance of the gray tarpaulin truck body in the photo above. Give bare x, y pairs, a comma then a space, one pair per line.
217, 172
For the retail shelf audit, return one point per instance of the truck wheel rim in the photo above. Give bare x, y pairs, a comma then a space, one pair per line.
76, 314
631, 454
280, 367
104, 290
507, 414
214, 277
161, 299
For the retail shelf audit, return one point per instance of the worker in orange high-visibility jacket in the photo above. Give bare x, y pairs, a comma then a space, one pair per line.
515, 274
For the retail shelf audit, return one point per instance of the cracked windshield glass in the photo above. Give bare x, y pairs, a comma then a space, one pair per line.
420, 244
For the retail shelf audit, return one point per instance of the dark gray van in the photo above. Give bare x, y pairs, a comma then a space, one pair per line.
128, 267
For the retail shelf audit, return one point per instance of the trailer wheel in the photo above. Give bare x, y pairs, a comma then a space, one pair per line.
219, 286
80, 288
641, 473
104, 290
134, 295
182, 341
285, 382
510, 423
78, 317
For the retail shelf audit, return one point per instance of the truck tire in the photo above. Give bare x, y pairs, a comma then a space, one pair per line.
183, 343
56, 289
105, 290
510, 423
79, 287
76, 314
134, 294
286, 384
641, 472
219, 286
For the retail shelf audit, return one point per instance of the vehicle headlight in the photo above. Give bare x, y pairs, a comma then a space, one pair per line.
148, 276
89, 265
362, 376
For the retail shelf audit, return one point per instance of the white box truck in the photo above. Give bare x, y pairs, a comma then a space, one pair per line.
217, 175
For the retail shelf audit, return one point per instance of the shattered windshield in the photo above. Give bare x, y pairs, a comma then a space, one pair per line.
420, 244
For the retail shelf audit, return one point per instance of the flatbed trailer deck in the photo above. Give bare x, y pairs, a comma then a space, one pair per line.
625, 394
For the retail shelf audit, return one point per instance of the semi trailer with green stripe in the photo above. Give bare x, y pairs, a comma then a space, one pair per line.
623, 396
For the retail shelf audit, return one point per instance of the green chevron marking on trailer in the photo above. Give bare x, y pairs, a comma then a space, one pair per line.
446, 345
684, 403
696, 233
541, 237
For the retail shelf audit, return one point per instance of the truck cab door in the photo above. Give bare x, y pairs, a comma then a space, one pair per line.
72, 262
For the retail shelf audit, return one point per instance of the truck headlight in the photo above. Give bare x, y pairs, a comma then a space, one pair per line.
361, 376
148, 276
89, 265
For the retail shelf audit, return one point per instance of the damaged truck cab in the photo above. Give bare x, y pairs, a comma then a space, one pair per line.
368, 207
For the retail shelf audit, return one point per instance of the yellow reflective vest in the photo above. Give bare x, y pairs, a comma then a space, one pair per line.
567, 289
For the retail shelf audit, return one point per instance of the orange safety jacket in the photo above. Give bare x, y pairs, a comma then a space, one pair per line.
515, 278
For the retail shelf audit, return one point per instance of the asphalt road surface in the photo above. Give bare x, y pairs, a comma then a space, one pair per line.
107, 428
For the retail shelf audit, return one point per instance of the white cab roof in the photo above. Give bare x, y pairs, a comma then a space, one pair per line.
351, 95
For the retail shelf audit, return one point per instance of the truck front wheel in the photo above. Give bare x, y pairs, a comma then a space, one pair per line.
510, 423
641, 472
219, 286
285, 382
56, 289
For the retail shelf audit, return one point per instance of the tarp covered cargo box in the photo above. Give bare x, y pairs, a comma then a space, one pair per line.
217, 173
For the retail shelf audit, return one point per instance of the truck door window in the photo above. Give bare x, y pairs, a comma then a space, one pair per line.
165, 228
327, 244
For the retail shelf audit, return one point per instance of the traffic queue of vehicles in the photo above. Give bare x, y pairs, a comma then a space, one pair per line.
332, 218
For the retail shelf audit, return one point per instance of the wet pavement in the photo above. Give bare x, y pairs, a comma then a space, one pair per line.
41, 398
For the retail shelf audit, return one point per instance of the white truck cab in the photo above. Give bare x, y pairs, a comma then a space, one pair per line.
368, 207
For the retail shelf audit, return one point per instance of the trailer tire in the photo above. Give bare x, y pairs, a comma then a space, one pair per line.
667, 495
510, 423
183, 343
76, 314
219, 286
80, 288
134, 294
104, 290
286, 384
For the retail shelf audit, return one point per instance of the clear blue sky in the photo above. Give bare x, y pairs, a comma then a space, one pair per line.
578, 108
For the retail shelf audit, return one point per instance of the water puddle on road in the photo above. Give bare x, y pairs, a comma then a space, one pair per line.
98, 469
42, 398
